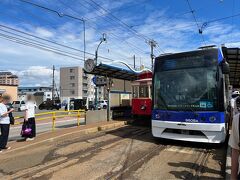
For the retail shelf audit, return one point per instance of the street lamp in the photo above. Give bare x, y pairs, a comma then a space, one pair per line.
103, 39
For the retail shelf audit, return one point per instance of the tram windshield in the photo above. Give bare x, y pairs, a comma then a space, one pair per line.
183, 84
141, 91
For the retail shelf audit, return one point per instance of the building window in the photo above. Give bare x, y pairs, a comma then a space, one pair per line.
71, 70
72, 84
72, 77
72, 92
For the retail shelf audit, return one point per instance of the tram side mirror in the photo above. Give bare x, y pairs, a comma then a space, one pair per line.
225, 67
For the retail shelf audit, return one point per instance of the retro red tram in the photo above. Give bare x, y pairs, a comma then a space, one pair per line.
142, 96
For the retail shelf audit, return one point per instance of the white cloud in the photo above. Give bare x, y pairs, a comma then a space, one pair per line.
173, 35
44, 32
36, 76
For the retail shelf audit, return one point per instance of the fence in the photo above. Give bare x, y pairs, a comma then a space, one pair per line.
53, 115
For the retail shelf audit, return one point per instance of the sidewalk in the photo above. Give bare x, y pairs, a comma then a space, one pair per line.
52, 137
228, 164
228, 161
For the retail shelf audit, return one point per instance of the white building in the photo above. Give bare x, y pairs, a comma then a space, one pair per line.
41, 93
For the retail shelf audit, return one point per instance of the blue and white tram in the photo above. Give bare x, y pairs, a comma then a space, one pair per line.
190, 96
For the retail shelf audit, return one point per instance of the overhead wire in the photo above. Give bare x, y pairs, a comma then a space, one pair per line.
78, 18
37, 42
53, 42
116, 36
26, 43
113, 34
195, 19
123, 24
46, 8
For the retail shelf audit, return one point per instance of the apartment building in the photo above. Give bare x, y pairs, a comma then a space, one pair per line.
74, 83
8, 78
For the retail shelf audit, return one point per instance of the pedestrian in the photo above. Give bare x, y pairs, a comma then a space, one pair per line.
4, 122
234, 107
30, 117
234, 143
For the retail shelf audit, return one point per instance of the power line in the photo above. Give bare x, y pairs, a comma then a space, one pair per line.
123, 24
68, 16
36, 42
39, 45
204, 25
116, 36
53, 42
195, 19
64, 15
36, 46
119, 20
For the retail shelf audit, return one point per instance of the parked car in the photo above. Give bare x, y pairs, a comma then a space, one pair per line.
18, 105
50, 105
76, 104
103, 104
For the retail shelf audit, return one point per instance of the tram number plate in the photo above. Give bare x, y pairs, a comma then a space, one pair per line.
185, 132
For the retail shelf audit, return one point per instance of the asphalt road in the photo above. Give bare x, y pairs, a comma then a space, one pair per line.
20, 113
129, 152
43, 127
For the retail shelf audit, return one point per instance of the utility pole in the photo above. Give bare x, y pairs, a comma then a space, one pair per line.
53, 82
152, 44
134, 62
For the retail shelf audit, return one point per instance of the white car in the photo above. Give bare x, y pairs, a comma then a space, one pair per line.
103, 104
18, 105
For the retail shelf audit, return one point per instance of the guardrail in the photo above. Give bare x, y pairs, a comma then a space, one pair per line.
53, 115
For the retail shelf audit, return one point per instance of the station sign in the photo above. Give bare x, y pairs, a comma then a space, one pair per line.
99, 81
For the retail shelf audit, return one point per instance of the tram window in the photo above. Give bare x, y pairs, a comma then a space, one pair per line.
143, 91
135, 92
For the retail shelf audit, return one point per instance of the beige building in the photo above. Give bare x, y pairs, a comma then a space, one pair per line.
74, 83
7, 78
11, 90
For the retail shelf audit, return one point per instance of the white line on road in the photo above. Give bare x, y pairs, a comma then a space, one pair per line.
40, 124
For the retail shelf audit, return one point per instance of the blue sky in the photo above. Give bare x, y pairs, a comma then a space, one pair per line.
169, 22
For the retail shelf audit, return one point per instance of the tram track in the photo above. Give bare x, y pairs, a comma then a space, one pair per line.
128, 153
57, 162
137, 162
199, 165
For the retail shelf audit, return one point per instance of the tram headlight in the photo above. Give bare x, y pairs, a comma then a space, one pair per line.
143, 107
212, 119
157, 116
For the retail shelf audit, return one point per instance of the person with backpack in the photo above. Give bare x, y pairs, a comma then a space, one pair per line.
234, 143
4, 122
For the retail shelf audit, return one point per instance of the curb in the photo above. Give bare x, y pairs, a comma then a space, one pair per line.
82, 131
